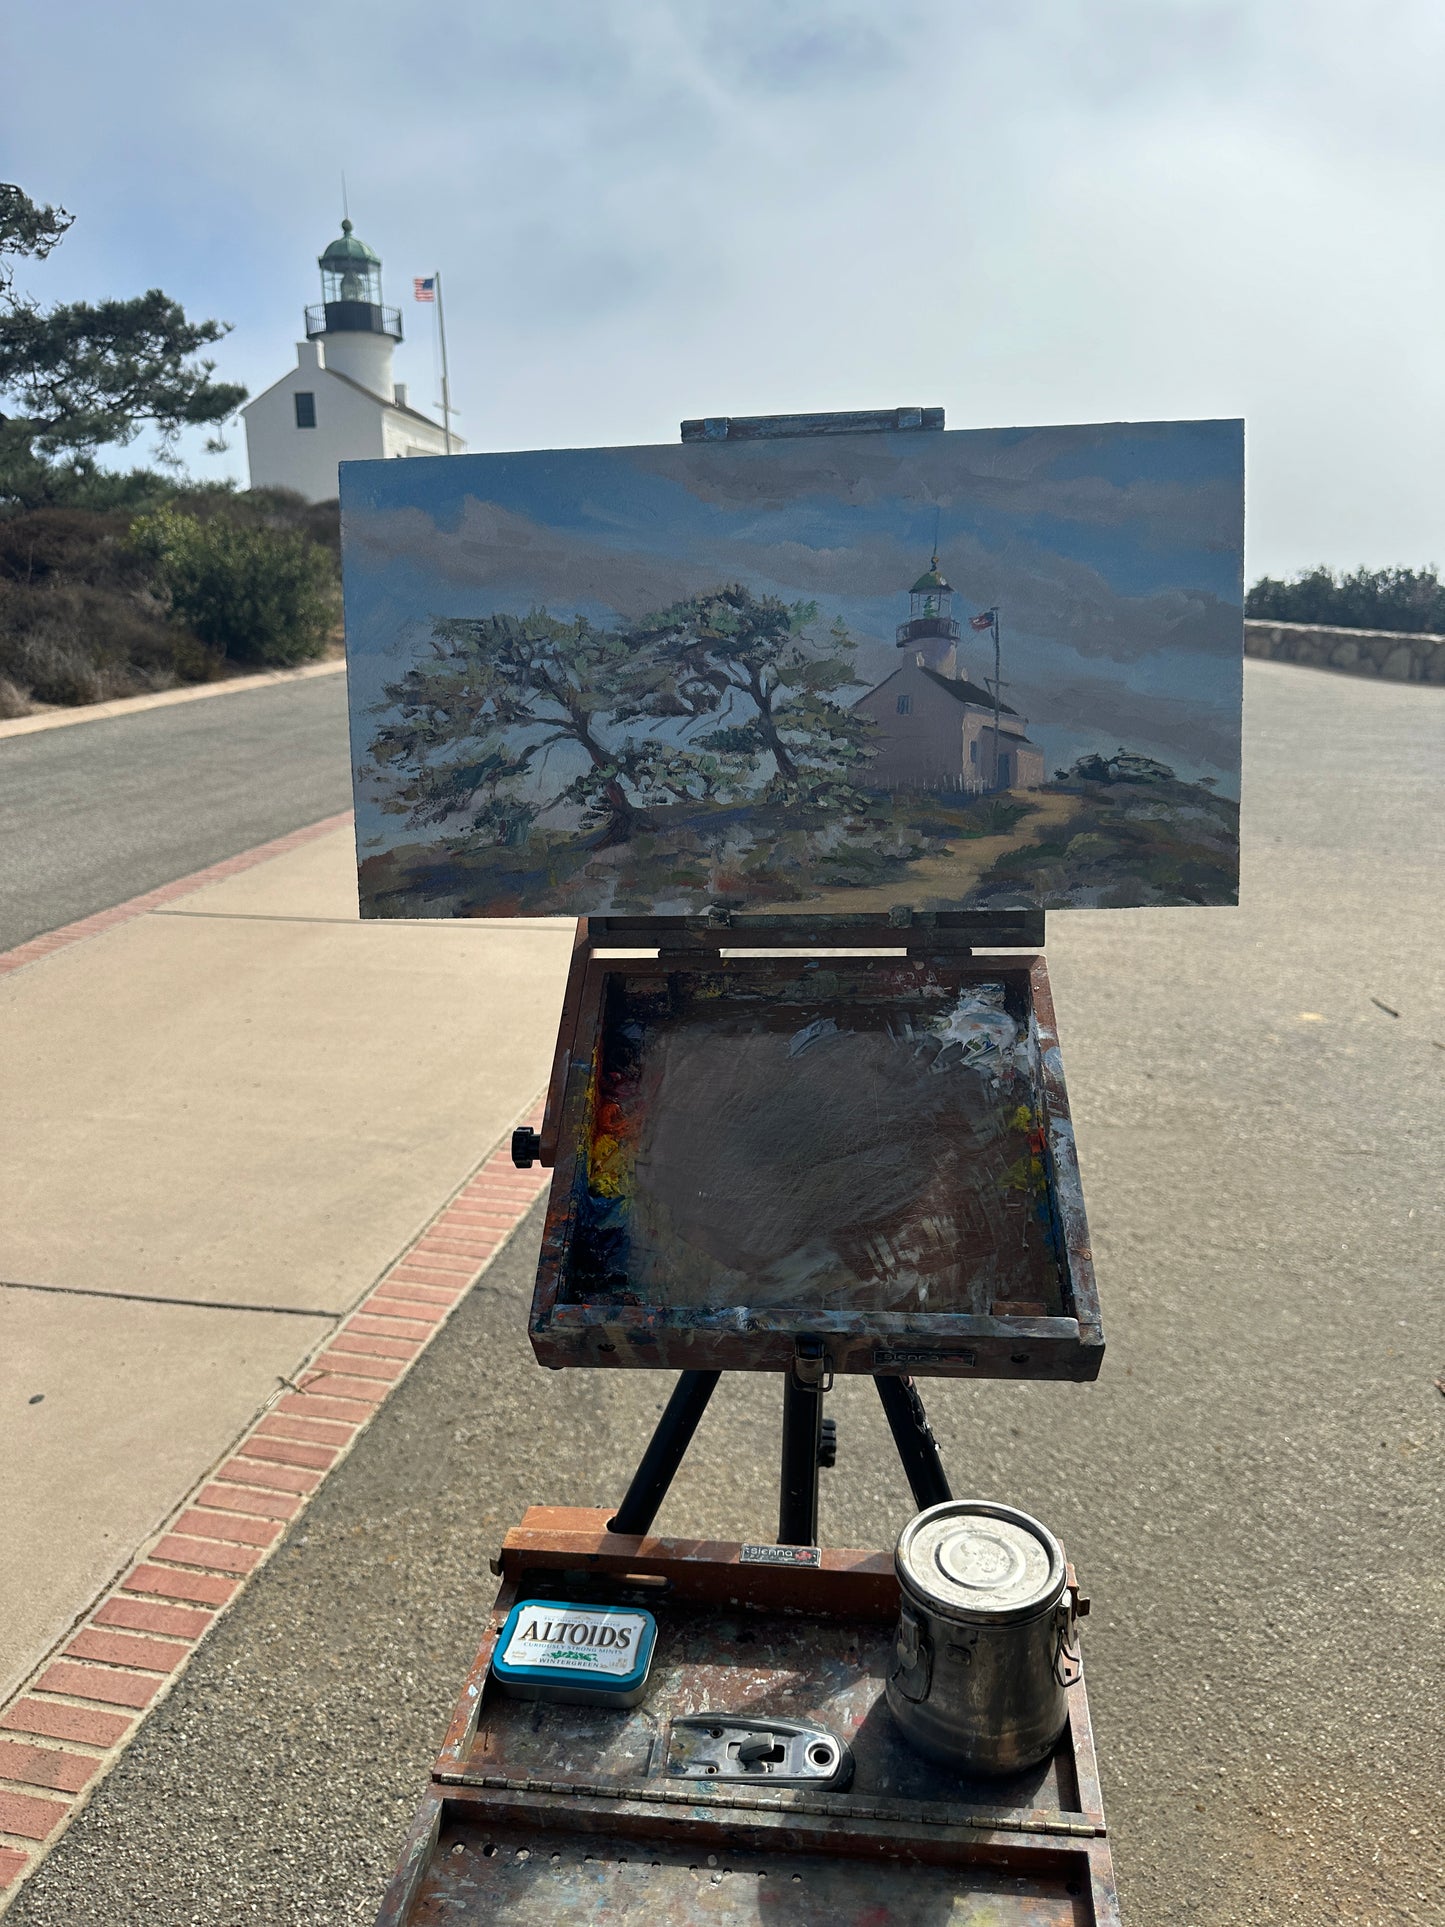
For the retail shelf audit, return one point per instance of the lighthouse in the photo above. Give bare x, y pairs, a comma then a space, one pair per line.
934, 729
341, 402
931, 631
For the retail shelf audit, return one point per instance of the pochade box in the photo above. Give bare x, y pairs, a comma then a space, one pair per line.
800, 686
867, 1152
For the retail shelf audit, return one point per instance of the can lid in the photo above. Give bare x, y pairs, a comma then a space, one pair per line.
972, 1559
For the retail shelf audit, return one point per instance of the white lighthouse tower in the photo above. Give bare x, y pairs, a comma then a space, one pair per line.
340, 402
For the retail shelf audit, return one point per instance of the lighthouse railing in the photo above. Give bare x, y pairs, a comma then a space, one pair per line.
927, 629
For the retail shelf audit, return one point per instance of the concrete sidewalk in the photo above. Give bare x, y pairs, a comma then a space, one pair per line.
223, 1119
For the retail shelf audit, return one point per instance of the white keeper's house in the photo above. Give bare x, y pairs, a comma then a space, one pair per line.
339, 403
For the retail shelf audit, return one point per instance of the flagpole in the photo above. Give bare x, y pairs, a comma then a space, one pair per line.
446, 389
997, 694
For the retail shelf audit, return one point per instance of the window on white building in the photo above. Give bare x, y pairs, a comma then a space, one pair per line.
305, 408
905, 705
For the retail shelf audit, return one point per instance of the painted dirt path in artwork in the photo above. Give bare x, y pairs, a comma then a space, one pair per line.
957, 869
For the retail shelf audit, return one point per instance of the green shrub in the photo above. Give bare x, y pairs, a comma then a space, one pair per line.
69, 642
258, 595
1408, 600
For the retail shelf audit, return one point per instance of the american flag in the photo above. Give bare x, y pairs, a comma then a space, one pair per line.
424, 287
985, 621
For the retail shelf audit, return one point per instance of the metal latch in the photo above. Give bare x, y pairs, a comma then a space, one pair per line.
721, 1746
811, 1364
913, 1663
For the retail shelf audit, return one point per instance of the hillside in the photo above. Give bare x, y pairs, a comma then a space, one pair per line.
83, 616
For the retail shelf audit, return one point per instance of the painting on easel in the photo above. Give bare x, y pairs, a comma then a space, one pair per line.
982, 669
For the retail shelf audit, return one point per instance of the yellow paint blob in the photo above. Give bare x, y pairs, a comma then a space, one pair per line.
607, 1173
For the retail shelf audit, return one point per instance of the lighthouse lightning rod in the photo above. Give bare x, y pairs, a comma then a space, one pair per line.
446, 388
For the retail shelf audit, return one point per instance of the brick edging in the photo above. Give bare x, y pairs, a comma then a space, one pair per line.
52, 940
68, 1724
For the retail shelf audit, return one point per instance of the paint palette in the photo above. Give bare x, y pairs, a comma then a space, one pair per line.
874, 1151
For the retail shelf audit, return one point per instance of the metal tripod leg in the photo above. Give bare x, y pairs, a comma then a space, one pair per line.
908, 1422
798, 1486
664, 1453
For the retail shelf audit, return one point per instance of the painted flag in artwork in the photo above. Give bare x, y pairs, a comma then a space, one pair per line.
424, 287
985, 621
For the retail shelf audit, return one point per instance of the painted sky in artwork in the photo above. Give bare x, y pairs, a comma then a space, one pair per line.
1113, 553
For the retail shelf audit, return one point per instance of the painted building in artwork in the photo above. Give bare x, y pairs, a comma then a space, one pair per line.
340, 402
937, 730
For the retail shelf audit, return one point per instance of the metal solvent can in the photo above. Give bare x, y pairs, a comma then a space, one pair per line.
549, 1649
987, 1637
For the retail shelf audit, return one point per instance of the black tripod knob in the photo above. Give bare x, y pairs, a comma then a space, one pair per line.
526, 1148
828, 1443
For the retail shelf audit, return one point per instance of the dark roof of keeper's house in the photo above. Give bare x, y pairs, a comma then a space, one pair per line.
963, 691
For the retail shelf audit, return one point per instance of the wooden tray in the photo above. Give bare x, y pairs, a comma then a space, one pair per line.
752, 1150
559, 1814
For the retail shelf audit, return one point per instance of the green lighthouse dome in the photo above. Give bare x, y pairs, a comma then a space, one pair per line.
348, 252
932, 582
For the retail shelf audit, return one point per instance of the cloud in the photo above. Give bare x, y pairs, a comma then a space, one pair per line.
822, 520
507, 555
1010, 473
1196, 732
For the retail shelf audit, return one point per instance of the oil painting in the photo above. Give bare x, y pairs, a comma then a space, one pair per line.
937, 670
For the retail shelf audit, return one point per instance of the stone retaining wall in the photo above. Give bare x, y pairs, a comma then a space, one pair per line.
1360, 652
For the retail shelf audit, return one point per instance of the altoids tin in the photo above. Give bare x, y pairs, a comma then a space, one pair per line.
987, 1639
578, 1655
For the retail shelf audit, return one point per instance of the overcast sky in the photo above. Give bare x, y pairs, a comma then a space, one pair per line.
1051, 211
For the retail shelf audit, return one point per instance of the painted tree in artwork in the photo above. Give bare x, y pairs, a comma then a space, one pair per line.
471, 722
753, 663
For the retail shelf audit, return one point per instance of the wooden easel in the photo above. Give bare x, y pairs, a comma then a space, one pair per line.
684, 943
498, 1834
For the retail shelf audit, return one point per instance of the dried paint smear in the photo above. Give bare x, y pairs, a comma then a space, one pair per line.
846, 1139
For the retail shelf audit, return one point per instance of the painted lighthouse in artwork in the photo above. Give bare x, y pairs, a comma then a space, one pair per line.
937, 729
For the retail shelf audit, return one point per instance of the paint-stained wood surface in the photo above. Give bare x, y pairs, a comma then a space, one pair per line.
872, 1150
565, 1814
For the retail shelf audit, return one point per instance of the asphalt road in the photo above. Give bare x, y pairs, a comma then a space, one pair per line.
98, 812
1251, 1491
